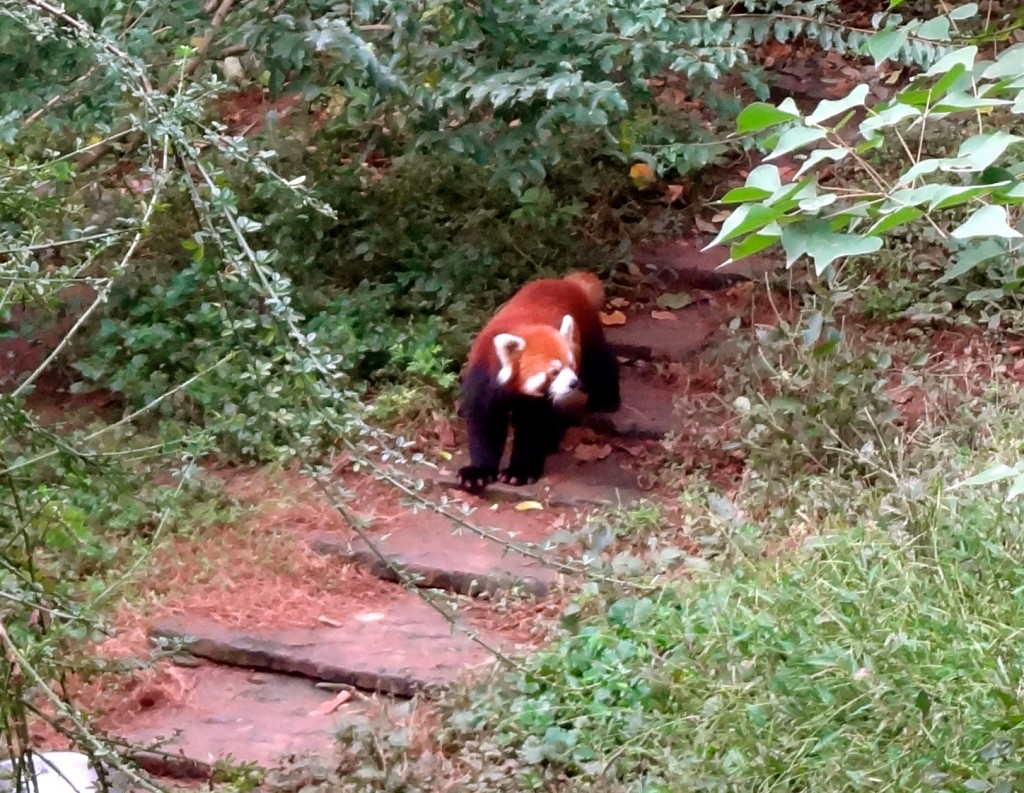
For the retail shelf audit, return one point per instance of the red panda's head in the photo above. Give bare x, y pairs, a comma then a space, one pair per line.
540, 361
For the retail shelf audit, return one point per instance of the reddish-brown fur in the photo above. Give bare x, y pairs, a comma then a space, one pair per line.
535, 314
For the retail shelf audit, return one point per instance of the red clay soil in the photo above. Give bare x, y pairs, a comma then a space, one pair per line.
260, 573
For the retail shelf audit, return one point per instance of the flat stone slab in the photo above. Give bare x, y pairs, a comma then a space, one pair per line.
647, 410
253, 717
567, 482
398, 650
643, 337
426, 549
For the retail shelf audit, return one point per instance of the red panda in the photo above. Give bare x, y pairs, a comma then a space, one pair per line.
526, 368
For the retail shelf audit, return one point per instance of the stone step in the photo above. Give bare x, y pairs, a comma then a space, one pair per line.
567, 482
428, 552
645, 338
251, 717
398, 651
647, 411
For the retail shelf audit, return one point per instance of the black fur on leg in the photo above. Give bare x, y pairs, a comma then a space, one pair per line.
599, 371
485, 408
535, 426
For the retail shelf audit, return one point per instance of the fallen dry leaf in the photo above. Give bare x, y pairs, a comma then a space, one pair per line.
706, 226
613, 319
674, 300
674, 192
525, 506
618, 302
445, 431
588, 452
718, 217
331, 705
900, 396
664, 316
632, 449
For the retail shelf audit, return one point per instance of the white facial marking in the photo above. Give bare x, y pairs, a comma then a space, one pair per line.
564, 385
534, 386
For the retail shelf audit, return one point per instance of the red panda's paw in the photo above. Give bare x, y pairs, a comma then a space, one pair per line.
518, 476
474, 478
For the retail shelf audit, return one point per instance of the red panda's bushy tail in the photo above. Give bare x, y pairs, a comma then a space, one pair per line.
591, 286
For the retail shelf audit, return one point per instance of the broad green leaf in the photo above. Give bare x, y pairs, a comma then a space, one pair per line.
976, 154
965, 11
765, 177
922, 168
962, 57
1015, 195
1010, 63
790, 194
961, 100
889, 117
1015, 489
926, 97
755, 243
894, 219
994, 175
745, 194
949, 195
886, 43
817, 202
936, 29
971, 256
794, 138
996, 473
829, 108
818, 155
987, 221
761, 115
823, 245
747, 218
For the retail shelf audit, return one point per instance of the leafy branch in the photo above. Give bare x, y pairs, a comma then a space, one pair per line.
968, 199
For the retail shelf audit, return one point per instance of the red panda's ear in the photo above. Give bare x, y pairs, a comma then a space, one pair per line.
508, 348
569, 330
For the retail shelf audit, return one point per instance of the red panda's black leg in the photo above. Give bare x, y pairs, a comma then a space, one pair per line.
486, 413
534, 424
487, 436
599, 373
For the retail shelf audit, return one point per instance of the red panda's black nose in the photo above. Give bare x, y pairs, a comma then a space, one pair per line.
574, 382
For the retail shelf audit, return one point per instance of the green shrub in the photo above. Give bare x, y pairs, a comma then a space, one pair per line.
872, 657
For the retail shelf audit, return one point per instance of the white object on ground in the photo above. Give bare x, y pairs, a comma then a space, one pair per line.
56, 772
